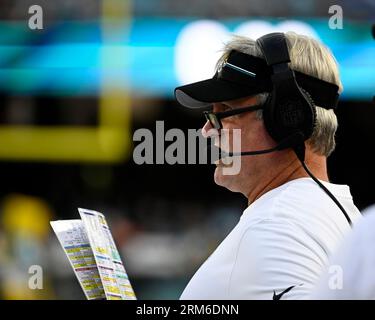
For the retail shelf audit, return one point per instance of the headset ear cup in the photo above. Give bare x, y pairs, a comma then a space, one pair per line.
289, 112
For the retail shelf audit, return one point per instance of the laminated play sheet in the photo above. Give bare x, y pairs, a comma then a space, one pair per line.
91, 250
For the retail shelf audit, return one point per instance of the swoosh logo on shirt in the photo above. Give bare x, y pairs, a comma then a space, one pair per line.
279, 295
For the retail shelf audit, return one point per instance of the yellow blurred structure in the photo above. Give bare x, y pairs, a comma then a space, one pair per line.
25, 224
110, 141
26, 215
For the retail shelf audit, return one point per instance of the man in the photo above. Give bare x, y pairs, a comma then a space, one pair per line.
350, 273
293, 222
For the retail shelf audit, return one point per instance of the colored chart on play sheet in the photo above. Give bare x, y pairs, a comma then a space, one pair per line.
73, 238
111, 270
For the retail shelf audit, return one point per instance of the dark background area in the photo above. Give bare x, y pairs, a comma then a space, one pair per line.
351, 164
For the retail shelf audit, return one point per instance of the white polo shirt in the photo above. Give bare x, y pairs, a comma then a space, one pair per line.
282, 240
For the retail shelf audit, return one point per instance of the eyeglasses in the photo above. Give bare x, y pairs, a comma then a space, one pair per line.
215, 117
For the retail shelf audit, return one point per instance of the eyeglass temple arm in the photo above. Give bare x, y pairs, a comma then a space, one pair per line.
238, 111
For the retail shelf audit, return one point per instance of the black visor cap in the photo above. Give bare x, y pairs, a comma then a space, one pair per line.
243, 75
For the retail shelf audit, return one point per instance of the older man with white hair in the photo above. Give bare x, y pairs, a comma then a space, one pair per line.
280, 92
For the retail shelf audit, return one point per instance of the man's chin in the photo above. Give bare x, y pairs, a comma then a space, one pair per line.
221, 179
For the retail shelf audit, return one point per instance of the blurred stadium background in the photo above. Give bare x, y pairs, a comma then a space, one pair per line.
72, 94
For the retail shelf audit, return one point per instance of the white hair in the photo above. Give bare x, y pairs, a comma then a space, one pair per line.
308, 56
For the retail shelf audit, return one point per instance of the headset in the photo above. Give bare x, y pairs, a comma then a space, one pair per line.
289, 113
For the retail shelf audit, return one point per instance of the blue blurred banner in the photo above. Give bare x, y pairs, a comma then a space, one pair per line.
155, 55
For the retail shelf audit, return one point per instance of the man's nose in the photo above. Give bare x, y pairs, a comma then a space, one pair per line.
208, 131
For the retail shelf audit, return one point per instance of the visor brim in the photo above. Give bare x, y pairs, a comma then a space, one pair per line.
203, 93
